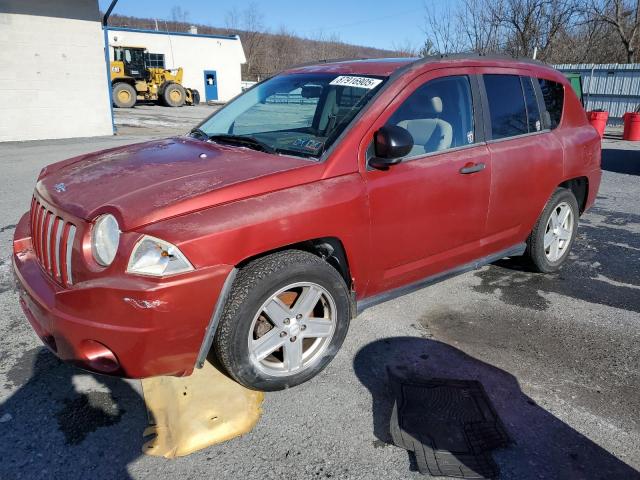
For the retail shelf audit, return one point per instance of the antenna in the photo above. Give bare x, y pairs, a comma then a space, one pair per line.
173, 62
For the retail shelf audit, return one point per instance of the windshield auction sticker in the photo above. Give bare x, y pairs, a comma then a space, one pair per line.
358, 82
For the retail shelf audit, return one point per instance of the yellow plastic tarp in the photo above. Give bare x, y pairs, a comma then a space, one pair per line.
190, 413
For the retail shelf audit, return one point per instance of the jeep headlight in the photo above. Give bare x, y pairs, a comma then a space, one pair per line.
105, 237
155, 257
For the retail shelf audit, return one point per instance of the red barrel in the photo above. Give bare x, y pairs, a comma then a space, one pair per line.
598, 119
631, 126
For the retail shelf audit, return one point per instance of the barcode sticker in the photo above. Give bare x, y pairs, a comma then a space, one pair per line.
357, 82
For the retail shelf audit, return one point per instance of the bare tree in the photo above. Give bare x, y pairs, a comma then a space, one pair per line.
478, 26
624, 17
442, 30
283, 49
233, 19
405, 48
528, 25
251, 22
179, 14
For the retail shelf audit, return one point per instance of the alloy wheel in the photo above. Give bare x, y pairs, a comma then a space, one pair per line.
558, 232
292, 329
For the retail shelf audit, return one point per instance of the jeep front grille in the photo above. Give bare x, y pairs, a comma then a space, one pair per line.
52, 239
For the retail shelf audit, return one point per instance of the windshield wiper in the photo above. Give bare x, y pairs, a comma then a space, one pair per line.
243, 141
199, 133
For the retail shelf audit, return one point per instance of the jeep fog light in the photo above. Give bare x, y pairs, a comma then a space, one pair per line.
152, 256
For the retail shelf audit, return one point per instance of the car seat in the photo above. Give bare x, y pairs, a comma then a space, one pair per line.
429, 134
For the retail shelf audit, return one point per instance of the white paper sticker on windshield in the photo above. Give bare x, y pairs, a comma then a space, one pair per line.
358, 82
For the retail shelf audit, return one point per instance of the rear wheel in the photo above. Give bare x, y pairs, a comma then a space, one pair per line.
195, 94
124, 95
551, 240
287, 315
174, 95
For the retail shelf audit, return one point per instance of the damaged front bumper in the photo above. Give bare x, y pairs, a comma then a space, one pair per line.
129, 326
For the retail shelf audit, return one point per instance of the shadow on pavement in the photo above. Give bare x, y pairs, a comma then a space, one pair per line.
544, 446
50, 430
621, 161
602, 268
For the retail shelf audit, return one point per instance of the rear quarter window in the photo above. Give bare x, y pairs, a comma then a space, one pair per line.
553, 95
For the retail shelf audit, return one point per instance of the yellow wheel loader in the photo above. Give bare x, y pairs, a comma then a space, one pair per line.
133, 80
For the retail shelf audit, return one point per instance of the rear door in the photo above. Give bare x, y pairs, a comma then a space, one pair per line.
526, 158
428, 213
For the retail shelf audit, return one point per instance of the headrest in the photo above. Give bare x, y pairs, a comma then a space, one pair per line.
435, 104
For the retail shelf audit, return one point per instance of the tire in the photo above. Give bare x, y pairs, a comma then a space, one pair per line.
548, 247
124, 95
174, 95
290, 276
195, 94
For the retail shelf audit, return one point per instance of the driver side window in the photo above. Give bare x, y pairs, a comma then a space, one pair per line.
438, 115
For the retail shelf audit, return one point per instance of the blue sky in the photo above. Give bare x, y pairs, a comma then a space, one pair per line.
376, 23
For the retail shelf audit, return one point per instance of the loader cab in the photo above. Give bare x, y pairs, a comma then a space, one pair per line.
133, 59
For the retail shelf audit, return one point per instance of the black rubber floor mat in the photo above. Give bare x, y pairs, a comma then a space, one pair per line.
450, 425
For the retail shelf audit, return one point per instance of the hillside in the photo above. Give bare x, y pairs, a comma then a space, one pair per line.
266, 52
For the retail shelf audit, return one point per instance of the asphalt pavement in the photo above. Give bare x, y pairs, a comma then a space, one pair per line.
558, 355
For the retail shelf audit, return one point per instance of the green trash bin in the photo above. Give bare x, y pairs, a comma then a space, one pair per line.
575, 79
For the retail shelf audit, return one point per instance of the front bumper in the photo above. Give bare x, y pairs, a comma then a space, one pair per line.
150, 326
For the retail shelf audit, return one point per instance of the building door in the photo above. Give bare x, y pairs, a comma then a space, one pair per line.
210, 85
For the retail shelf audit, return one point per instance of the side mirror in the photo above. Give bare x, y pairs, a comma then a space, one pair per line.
391, 143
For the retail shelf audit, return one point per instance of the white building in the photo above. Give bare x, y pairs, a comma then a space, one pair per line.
54, 77
211, 63
53, 80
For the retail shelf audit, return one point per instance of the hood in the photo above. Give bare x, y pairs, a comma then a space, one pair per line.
147, 182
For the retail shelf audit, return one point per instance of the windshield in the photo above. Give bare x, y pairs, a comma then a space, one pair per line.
295, 114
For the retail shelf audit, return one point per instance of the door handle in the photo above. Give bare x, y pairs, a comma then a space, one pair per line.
472, 168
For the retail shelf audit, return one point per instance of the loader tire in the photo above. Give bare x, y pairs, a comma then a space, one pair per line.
174, 95
124, 95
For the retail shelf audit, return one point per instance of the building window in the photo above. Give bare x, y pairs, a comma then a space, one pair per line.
155, 60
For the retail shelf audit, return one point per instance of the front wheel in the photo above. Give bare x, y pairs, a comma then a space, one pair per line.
552, 237
124, 95
286, 317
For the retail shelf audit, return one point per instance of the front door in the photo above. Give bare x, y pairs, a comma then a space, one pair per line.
210, 85
428, 213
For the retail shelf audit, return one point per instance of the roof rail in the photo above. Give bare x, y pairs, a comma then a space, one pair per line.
419, 61
475, 55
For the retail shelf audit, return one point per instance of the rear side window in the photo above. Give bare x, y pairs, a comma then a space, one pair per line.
533, 112
506, 106
553, 94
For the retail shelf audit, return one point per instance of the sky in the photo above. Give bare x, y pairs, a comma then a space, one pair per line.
376, 23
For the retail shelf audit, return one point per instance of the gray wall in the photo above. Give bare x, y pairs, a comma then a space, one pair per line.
74, 9
612, 87
53, 80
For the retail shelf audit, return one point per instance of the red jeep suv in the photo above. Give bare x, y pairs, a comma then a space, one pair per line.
319, 192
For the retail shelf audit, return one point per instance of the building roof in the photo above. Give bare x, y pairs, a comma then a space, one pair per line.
183, 34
